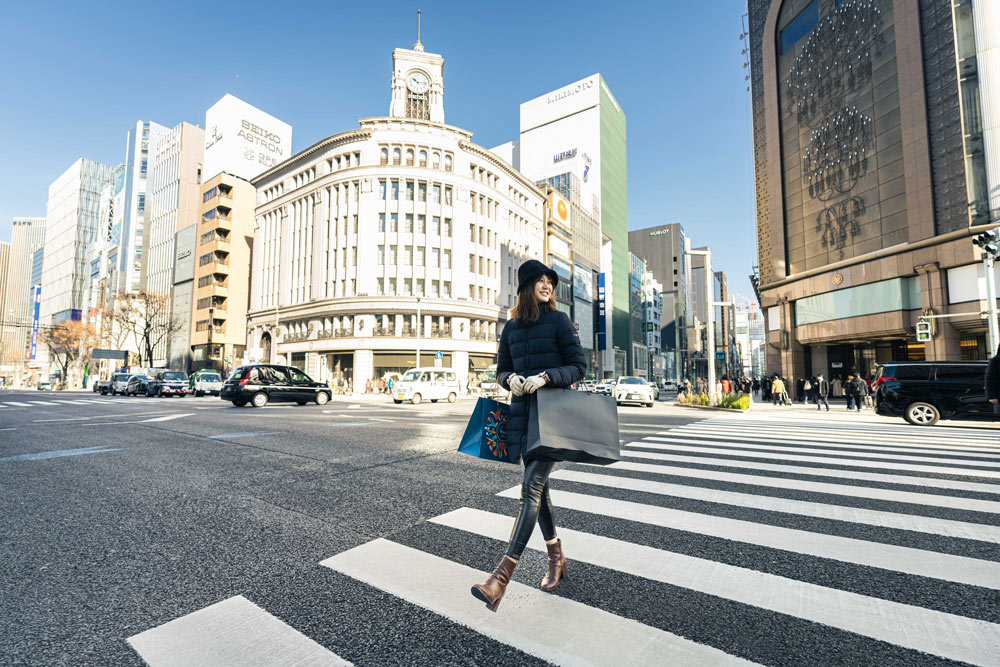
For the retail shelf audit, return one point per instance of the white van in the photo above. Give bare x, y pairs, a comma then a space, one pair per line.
426, 384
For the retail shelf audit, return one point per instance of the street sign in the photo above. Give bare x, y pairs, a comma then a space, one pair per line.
98, 353
437, 355
720, 356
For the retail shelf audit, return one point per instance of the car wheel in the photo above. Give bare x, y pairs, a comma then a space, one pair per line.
198, 394
452, 397
396, 401
322, 398
259, 399
434, 400
416, 399
239, 404
649, 405
921, 414
301, 402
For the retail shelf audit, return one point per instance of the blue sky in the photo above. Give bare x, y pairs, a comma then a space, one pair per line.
76, 76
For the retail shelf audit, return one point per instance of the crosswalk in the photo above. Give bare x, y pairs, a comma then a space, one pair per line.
734, 540
81, 402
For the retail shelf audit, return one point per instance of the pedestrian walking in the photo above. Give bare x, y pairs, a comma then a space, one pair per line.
807, 387
993, 382
821, 389
538, 346
855, 392
778, 390
368, 386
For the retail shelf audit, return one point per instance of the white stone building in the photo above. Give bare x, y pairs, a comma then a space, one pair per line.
363, 230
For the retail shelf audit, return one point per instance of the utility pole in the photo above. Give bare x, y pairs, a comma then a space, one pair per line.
418, 332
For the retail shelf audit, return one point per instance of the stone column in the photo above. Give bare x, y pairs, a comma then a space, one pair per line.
364, 368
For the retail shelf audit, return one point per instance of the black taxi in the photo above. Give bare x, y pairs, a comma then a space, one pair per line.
258, 384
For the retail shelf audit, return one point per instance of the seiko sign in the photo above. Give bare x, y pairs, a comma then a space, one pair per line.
243, 140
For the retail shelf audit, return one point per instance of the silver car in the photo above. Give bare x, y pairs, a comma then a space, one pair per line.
119, 383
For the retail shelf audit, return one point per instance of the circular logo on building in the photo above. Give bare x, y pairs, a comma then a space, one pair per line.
562, 210
838, 279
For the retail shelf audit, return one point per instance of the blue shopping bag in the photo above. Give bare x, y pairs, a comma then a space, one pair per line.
486, 435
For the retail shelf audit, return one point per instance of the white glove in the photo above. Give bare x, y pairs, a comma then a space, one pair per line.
532, 384
516, 383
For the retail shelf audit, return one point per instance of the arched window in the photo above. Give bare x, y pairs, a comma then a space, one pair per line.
396, 156
447, 163
385, 156
436, 160
409, 157
423, 158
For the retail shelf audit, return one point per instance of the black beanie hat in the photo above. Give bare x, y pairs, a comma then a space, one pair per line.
531, 271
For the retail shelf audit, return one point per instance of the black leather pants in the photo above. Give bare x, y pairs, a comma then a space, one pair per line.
535, 506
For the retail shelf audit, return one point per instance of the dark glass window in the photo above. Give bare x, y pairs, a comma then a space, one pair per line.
915, 372
959, 373
800, 26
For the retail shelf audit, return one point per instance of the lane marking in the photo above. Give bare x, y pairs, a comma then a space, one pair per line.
550, 627
933, 482
921, 524
168, 417
959, 569
723, 448
946, 470
966, 639
20, 405
230, 633
60, 453
66, 419
226, 436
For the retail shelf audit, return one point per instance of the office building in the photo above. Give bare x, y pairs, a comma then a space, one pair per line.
27, 237
876, 133
220, 282
574, 139
174, 189
72, 224
391, 245
652, 308
662, 248
639, 353
132, 206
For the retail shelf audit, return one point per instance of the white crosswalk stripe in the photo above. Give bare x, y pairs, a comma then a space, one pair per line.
912, 514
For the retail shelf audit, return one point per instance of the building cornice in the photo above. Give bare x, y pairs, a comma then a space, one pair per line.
494, 160
330, 142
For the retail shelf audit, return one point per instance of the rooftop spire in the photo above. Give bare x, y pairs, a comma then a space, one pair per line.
418, 46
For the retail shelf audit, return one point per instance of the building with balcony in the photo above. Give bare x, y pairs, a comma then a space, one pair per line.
876, 132
27, 237
221, 273
391, 245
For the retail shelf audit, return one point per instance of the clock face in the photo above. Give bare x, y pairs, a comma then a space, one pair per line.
417, 82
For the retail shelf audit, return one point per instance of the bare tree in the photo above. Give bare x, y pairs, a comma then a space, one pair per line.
116, 323
151, 320
68, 342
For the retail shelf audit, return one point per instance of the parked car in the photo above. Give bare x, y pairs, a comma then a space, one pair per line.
44, 385
669, 386
432, 384
168, 383
924, 392
119, 382
101, 386
205, 382
259, 384
136, 385
634, 389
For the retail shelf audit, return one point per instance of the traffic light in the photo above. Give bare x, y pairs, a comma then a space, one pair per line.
923, 331
989, 241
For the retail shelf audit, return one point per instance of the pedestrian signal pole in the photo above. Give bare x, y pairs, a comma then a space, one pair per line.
990, 244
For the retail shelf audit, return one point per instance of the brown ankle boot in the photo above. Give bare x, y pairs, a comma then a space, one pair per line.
491, 591
557, 567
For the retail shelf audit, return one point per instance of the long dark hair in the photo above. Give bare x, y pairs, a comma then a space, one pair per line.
528, 308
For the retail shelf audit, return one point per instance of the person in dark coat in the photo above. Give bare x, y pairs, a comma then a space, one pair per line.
993, 382
821, 389
539, 346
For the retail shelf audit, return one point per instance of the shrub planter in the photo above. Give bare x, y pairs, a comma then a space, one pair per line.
713, 407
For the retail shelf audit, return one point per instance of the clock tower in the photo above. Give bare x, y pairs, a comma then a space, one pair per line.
417, 84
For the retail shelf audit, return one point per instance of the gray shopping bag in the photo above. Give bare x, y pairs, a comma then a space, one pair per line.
568, 425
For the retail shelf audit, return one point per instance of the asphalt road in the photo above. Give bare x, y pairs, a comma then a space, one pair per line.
715, 542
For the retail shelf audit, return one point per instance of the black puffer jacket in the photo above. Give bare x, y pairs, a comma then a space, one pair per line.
548, 344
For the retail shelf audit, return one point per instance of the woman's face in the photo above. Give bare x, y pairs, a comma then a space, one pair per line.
543, 289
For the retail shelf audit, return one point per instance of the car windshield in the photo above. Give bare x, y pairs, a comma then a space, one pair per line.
632, 381
211, 377
174, 375
411, 376
489, 376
